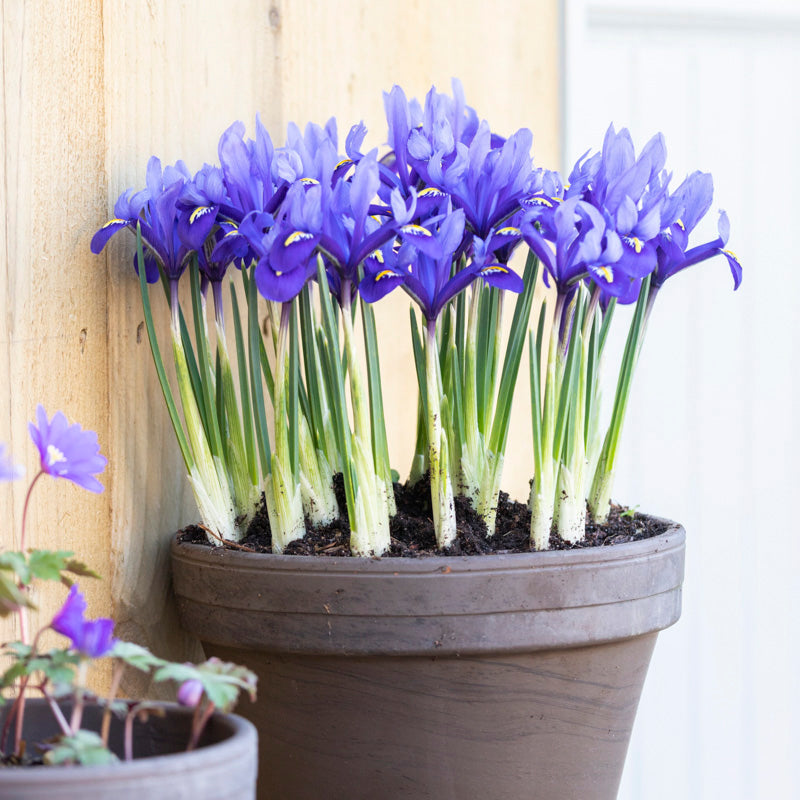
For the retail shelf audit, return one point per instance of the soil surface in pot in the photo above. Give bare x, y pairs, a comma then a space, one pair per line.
413, 536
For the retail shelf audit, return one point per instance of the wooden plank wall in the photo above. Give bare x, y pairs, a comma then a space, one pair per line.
91, 89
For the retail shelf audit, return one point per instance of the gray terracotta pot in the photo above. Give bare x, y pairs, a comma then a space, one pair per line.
498, 677
222, 768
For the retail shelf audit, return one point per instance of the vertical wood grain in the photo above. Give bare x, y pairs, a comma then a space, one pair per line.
92, 89
55, 337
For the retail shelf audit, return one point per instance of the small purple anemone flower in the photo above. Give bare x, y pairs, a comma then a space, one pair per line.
66, 451
190, 693
9, 471
91, 637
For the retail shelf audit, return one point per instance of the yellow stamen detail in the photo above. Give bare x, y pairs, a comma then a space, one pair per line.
417, 230
297, 236
635, 242
198, 212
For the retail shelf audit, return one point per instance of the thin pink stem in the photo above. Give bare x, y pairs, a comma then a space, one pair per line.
198, 726
115, 681
57, 713
25, 509
129, 735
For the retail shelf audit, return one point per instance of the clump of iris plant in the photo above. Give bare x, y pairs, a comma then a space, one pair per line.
458, 217
60, 673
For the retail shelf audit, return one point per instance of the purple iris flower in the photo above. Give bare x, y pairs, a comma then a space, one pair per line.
156, 210
630, 193
283, 250
586, 246
247, 171
304, 157
91, 637
9, 471
685, 208
486, 176
423, 265
200, 202
332, 217
66, 451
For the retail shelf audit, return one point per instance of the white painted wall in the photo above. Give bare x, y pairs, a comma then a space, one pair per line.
712, 433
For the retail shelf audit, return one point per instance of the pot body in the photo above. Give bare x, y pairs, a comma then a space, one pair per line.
222, 768
503, 676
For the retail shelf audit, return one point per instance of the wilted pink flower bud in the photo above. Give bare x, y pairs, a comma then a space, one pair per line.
190, 693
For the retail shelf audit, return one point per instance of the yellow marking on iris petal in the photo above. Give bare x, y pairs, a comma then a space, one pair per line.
115, 221
278, 273
679, 223
417, 230
432, 191
343, 162
635, 242
732, 255
309, 181
509, 230
493, 268
297, 236
378, 256
540, 201
384, 273
606, 273
198, 212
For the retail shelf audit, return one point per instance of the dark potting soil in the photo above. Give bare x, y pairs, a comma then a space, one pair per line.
412, 533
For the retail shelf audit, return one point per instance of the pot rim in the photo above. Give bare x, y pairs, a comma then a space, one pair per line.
229, 749
673, 538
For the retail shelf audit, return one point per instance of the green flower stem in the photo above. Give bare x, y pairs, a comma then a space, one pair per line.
244, 391
501, 416
316, 480
207, 474
603, 481
444, 515
472, 447
380, 446
542, 500
166, 390
246, 490
572, 469
419, 464
282, 490
374, 491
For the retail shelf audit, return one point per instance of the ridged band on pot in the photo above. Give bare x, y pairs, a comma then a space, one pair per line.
222, 768
429, 605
